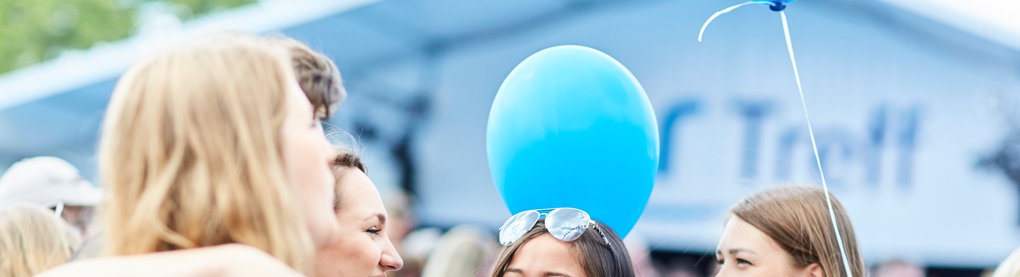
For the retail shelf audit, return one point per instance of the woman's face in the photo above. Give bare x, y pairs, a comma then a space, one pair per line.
307, 157
361, 247
746, 251
545, 256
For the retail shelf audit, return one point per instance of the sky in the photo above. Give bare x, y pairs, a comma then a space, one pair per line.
998, 20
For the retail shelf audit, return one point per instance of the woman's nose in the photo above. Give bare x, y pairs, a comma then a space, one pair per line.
390, 259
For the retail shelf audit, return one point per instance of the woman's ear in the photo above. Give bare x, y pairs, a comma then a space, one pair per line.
813, 270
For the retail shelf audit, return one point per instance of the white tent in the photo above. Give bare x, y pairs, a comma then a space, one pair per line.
900, 93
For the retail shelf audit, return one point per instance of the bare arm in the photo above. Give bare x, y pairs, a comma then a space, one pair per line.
226, 260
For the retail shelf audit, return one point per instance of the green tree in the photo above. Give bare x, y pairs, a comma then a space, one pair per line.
196, 8
33, 31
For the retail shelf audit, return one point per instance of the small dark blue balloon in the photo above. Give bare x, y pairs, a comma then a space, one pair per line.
777, 5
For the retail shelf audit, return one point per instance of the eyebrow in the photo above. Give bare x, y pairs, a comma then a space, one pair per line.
734, 251
547, 274
379, 216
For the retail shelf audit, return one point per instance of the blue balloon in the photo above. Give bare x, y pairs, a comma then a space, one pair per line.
571, 127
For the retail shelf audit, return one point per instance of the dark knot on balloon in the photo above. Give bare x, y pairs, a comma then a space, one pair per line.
777, 5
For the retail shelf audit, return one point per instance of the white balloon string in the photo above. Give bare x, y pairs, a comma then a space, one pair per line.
814, 146
717, 14
807, 117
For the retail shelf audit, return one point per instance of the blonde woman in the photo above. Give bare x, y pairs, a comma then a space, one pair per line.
33, 239
1010, 267
213, 144
463, 251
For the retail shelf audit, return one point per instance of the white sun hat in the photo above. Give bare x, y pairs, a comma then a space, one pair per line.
47, 181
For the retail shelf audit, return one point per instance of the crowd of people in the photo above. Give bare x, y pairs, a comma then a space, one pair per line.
214, 162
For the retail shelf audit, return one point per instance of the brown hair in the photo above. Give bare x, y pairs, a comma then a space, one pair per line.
345, 160
317, 75
191, 153
597, 258
797, 218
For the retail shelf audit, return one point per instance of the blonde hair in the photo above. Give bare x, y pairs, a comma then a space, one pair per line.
32, 240
797, 218
1009, 267
462, 251
191, 153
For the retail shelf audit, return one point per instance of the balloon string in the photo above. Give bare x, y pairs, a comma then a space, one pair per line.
814, 146
717, 14
807, 117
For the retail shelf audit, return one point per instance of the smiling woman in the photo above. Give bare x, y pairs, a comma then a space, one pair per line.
361, 247
786, 231
563, 242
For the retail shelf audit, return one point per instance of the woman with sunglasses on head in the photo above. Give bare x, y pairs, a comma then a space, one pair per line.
560, 242
787, 231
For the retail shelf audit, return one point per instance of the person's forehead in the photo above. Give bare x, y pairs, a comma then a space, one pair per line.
740, 234
546, 250
358, 193
543, 255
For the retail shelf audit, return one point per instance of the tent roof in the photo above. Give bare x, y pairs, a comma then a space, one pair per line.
55, 108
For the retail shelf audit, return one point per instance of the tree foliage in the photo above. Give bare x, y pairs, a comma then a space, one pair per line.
32, 31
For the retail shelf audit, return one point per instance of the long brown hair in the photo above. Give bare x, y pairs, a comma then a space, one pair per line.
797, 218
191, 153
591, 251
